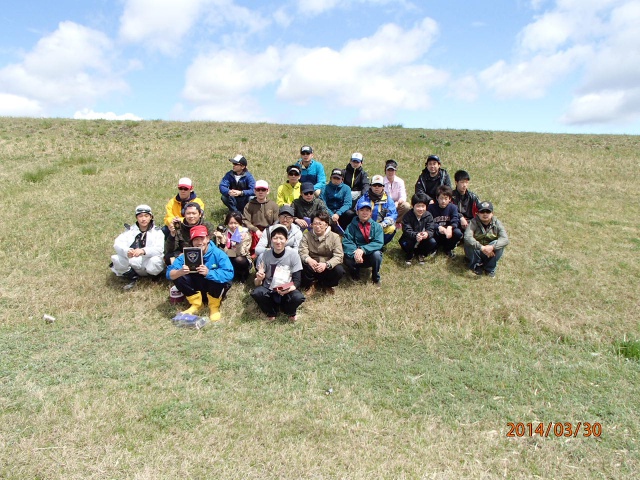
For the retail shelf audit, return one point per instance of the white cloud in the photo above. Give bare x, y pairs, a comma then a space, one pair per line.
162, 24
88, 114
465, 88
70, 67
604, 107
377, 75
315, 7
17, 106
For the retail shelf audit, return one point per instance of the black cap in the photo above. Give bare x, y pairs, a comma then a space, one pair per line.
433, 157
288, 209
391, 164
292, 168
238, 160
336, 172
306, 149
307, 187
485, 206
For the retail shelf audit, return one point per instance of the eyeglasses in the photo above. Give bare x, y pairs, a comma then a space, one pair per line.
261, 189
318, 224
184, 189
285, 216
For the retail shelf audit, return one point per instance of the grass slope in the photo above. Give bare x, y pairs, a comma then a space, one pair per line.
425, 374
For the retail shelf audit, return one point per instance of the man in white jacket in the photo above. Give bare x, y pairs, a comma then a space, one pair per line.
139, 249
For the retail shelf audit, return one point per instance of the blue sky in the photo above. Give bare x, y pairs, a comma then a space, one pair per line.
523, 65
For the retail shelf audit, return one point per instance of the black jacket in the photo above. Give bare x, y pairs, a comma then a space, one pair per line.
411, 226
428, 184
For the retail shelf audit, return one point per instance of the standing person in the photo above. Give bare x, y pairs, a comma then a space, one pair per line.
432, 177
138, 249
307, 206
180, 235
337, 198
321, 254
237, 186
384, 210
484, 241
285, 219
175, 207
278, 277
463, 198
418, 229
358, 181
395, 188
259, 213
362, 243
445, 214
311, 170
290, 190
212, 278
235, 241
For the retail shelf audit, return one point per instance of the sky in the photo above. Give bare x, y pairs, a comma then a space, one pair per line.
559, 66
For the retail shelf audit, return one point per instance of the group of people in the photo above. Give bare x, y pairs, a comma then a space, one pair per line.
310, 236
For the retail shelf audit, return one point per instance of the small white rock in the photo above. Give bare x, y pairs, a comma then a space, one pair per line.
48, 318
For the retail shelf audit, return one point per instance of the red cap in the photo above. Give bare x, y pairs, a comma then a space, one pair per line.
199, 231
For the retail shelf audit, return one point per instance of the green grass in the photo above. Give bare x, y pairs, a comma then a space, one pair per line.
425, 373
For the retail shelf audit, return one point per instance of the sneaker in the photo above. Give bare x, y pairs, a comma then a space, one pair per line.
432, 254
491, 273
310, 291
271, 319
421, 259
408, 263
330, 290
377, 284
130, 285
477, 270
450, 254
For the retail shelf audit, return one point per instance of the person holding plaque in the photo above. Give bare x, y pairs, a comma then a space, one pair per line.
139, 249
207, 275
278, 276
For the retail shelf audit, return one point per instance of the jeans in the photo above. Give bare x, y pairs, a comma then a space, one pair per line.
448, 244
235, 204
476, 257
373, 260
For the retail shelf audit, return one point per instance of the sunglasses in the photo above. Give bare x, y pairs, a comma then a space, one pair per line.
261, 189
184, 189
294, 174
307, 193
305, 153
484, 211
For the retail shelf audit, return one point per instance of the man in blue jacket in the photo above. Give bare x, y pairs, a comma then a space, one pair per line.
237, 186
311, 170
362, 243
212, 278
337, 197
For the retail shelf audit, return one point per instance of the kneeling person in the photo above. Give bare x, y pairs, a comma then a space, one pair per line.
212, 278
278, 276
139, 249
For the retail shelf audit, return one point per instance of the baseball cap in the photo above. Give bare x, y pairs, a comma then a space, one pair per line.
485, 206
185, 182
336, 172
293, 168
288, 209
279, 229
363, 203
357, 156
377, 180
143, 209
198, 231
433, 157
238, 160
391, 165
307, 187
262, 184
306, 149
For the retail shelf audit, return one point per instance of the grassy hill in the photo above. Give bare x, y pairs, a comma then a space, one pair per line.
426, 373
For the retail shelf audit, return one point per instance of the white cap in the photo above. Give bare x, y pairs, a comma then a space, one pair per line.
262, 184
356, 156
185, 182
377, 180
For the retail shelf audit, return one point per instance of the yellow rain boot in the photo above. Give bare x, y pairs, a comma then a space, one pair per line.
214, 308
195, 301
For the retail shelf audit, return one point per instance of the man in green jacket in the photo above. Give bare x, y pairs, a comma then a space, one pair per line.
484, 241
362, 243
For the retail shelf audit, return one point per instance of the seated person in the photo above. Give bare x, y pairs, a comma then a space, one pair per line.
235, 241
307, 205
463, 198
311, 170
139, 249
180, 236
418, 229
358, 181
259, 213
384, 210
445, 214
321, 255
175, 207
290, 190
278, 276
395, 188
432, 177
484, 241
212, 278
337, 197
362, 243
237, 185
285, 219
